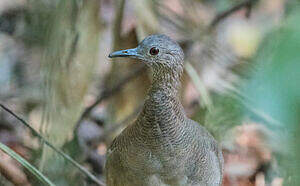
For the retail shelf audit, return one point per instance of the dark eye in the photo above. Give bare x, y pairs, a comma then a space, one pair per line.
154, 51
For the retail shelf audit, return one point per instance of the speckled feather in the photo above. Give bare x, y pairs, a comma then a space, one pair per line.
163, 147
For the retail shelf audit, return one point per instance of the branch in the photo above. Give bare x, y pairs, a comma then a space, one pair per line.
113, 127
246, 4
110, 92
44, 140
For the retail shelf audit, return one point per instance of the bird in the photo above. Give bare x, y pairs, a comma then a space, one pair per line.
163, 147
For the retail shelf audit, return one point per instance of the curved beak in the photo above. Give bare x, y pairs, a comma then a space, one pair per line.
124, 53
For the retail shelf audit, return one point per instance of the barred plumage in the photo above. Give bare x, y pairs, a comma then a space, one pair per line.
163, 147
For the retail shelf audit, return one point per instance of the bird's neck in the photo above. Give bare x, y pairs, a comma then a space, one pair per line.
166, 80
163, 114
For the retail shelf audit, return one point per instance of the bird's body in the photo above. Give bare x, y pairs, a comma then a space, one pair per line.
163, 147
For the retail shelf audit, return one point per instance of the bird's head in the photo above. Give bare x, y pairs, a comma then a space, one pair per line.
157, 51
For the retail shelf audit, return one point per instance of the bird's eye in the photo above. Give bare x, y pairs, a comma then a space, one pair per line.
154, 51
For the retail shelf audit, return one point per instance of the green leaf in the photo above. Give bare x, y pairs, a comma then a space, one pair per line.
26, 164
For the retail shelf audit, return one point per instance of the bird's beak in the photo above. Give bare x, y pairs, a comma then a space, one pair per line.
124, 53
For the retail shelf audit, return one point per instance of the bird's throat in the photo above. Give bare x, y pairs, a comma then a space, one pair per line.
167, 80
163, 112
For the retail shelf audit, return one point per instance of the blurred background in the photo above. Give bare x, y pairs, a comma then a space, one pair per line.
241, 81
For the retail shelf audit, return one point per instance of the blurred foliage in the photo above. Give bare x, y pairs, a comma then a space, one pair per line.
64, 37
274, 88
226, 113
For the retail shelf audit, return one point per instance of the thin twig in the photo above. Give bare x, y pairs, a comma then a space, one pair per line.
110, 92
207, 102
44, 140
246, 4
113, 127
